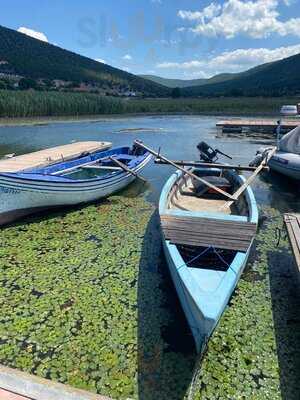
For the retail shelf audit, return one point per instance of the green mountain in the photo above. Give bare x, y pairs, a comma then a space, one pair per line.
182, 83
32, 58
21, 55
278, 78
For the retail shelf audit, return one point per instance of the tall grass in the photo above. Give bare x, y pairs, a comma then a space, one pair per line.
214, 105
37, 104
24, 104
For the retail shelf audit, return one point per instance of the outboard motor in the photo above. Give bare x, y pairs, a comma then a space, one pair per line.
208, 154
137, 150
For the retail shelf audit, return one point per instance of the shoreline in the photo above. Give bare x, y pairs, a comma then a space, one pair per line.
45, 120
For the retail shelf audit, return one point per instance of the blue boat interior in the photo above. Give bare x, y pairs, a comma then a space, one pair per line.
88, 166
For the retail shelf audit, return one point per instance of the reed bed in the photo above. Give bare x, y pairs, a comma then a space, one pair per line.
22, 104
212, 105
26, 104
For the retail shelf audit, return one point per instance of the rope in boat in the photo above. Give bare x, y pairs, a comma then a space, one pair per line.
196, 257
202, 254
220, 257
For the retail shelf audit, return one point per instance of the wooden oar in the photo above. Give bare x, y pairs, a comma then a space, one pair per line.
248, 181
141, 144
210, 165
125, 168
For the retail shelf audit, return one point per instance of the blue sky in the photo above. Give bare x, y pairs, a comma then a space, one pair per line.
171, 38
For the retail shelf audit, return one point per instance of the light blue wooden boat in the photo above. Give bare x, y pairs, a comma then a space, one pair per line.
204, 268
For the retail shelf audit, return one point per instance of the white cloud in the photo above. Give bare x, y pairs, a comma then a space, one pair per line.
184, 65
127, 57
30, 32
253, 18
231, 61
207, 13
100, 60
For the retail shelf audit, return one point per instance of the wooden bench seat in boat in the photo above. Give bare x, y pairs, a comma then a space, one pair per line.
206, 232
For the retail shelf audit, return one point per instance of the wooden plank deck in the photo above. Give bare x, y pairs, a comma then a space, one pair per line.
205, 232
50, 156
269, 123
292, 222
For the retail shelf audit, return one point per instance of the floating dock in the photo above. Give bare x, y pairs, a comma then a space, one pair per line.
238, 125
292, 222
43, 158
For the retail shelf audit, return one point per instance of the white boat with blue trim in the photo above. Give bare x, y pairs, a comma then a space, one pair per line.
206, 242
80, 180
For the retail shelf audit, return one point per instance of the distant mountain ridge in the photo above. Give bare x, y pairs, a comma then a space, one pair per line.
278, 78
182, 83
35, 59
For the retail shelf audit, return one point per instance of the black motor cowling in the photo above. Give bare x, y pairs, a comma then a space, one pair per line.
208, 154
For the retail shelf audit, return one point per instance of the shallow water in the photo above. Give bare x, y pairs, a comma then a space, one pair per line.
162, 345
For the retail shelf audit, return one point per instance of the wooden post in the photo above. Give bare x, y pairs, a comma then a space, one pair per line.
159, 156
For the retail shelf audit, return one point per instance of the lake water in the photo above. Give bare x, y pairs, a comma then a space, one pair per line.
176, 136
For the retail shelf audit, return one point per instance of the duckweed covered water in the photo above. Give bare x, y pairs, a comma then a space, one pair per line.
254, 352
86, 300
83, 302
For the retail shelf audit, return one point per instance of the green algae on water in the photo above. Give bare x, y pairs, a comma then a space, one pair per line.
254, 354
86, 300
83, 302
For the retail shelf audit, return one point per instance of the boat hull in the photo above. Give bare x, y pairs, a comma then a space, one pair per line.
287, 164
20, 197
202, 305
200, 322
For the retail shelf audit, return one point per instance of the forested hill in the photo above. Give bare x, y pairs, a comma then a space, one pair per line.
32, 58
279, 78
182, 83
